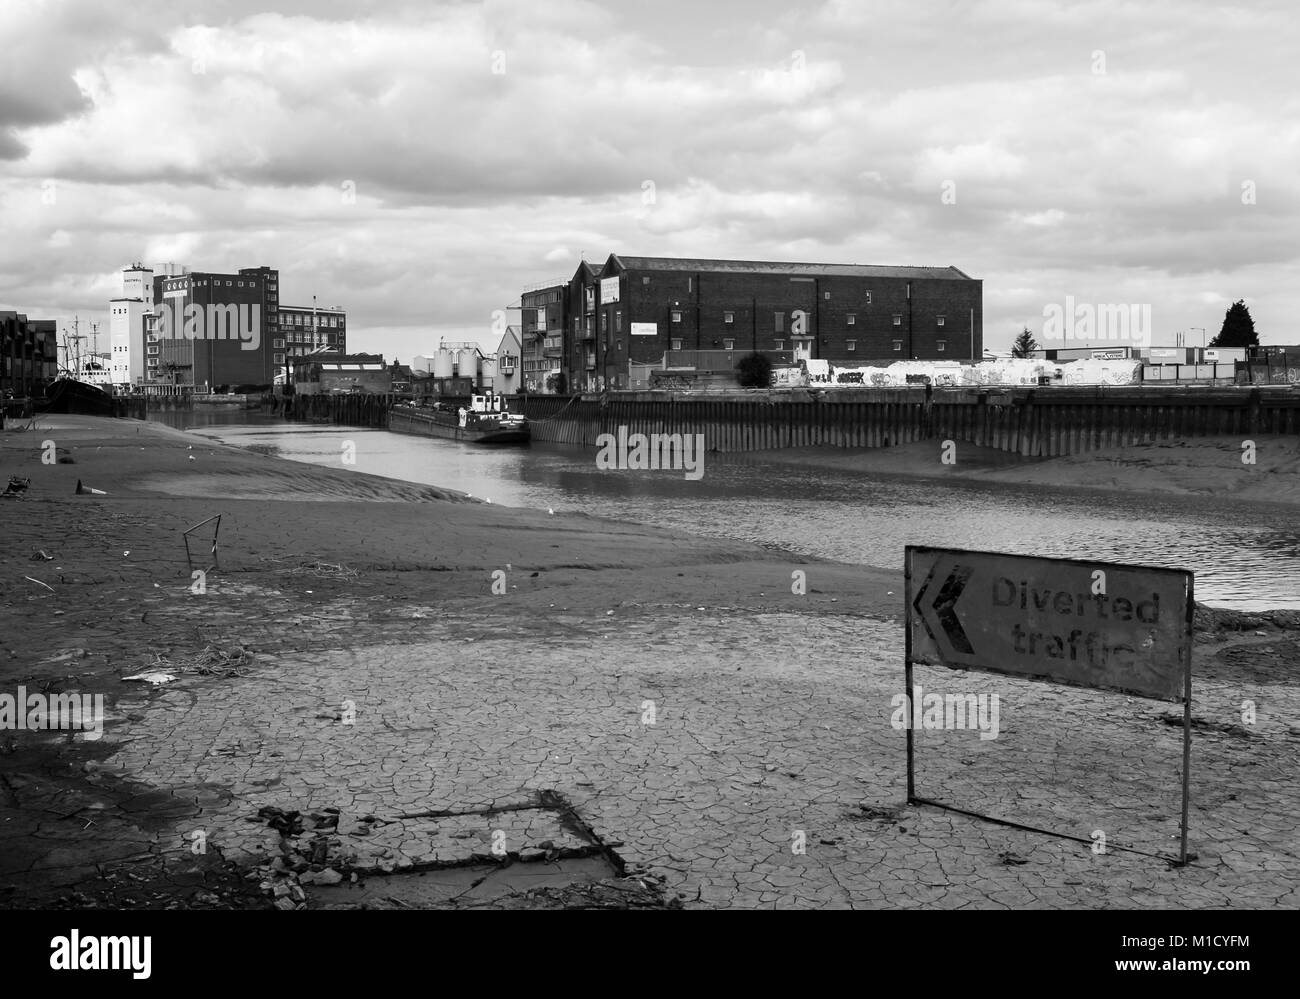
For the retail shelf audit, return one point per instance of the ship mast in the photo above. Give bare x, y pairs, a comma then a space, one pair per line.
72, 350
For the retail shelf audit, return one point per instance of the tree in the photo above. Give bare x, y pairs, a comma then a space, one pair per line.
1024, 344
754, 371
557, 383
1238, 328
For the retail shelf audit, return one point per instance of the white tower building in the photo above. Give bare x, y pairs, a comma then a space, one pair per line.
126, 327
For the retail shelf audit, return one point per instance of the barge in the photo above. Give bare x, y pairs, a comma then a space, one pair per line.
485, 420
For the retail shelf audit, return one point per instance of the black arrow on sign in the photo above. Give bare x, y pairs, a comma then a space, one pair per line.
945, 604
945, 607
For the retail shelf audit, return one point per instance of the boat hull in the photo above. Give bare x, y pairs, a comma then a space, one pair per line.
67, 395
406, 421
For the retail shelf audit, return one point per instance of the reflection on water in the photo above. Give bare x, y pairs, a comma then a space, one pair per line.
1244, 555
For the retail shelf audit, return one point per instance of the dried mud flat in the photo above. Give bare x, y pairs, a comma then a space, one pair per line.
500, 756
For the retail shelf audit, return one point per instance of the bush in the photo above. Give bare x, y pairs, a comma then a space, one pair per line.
754, 371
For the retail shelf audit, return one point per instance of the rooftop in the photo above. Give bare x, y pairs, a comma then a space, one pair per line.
784, 267
342, 360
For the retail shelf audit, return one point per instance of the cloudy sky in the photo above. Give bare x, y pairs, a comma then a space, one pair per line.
419, 164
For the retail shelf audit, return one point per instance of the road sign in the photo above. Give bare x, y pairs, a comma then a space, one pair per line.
1088, 624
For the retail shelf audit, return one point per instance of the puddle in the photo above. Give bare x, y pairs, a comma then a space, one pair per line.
482, 883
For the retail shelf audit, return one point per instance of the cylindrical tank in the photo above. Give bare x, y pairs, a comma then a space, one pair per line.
442, 363
467, 361
488, 369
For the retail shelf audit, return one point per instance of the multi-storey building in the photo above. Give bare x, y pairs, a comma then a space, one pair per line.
632, 310
128, 322
307, 329
542, 336
242, 334
213, 329
29, 354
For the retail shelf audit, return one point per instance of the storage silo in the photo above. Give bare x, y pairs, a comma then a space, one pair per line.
443, 362
467, 365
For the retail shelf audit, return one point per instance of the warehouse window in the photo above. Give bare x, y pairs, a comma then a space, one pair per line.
677, 316
851, 319
780, 344
675, 344
867, 298
728, 344
940, 320
941, 345
728, 317
780, 321
898, 344
850, 345
277, 358
278, 343
645, 280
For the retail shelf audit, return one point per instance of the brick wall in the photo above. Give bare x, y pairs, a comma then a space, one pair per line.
852, 318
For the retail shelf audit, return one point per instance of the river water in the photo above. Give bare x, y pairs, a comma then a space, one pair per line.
1245, 555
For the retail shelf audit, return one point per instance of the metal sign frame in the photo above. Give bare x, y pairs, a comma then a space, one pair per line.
189, 557
910, 610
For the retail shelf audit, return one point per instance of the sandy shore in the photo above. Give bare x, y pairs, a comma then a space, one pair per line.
1211, 466
335, 587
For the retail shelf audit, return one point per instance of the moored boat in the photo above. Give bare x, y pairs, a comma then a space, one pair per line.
68, 395
486, 420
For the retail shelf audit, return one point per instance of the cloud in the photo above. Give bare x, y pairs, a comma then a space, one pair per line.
420, 165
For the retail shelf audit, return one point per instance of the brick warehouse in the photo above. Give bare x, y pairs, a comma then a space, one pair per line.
632, 310
28, 354
216, 362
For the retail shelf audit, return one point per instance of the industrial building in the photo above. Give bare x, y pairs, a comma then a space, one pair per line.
216, 329
609, 320
29, 354
326, 374
128, 327
211, 330
542, 351
454, 369
308, 330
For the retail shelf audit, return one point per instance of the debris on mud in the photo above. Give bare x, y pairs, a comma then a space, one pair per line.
611, 893
211, 661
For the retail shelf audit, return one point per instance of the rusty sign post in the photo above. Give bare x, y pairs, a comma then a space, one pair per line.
1101, 625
